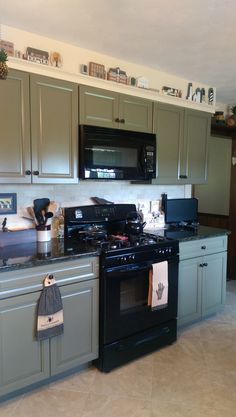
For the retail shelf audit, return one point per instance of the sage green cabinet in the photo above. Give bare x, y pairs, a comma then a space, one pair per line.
169, 127
15, 157
182, 139
110, 109
39, 125
54, 130
193, 155
79, 342
189, 291
26, 361
202, 279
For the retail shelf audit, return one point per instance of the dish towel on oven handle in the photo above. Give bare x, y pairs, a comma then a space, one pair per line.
50, 320
158, 285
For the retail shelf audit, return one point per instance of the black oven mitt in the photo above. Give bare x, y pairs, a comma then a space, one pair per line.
50, 310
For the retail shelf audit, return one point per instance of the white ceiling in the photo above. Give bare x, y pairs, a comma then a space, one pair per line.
195, 39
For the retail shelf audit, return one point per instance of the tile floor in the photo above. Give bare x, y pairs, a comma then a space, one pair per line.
195, 377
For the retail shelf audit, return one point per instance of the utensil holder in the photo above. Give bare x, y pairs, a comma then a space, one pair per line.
43, 233
44, 249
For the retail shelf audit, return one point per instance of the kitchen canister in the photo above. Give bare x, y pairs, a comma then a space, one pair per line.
43, 233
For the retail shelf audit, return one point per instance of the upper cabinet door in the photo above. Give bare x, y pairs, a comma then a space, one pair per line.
109, 109
135, 113
194, 152
15, 129
54, 130
98, 107
168, 126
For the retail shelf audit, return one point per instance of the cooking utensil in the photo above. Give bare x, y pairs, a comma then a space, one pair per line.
48, 215
32, 214
40, 204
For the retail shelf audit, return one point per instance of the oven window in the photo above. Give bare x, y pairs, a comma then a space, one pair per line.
112, 156
133, 294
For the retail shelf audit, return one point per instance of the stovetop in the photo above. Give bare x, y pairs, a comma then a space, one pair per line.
104, 227
122, 244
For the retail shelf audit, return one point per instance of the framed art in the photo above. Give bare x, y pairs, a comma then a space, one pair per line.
7, 203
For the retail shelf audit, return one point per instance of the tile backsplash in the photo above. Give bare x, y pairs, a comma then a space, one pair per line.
80, 194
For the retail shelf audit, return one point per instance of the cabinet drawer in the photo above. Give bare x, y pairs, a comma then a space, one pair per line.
30, 279
201, 247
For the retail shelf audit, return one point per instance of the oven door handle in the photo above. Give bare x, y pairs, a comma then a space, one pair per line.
128, 268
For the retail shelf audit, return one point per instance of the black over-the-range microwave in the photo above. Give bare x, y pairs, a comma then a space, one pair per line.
106, 153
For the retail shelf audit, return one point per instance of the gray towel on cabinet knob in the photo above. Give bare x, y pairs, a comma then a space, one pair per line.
50, 310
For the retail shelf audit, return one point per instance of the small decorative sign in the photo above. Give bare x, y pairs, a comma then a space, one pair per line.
38, 56
7, 203
8, 46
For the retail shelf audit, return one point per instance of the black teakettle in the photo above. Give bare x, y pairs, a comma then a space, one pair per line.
134, 224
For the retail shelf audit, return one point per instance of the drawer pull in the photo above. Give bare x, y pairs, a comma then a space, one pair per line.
203, 247
183, 176
117, 120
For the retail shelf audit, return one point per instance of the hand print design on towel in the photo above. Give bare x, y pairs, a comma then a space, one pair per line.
160, 290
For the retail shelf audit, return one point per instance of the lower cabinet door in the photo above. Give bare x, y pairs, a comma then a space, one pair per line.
189, 293
24, 360
214, 283
79, 342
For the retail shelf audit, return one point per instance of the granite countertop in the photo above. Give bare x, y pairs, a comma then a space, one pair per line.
32, 254
183, 234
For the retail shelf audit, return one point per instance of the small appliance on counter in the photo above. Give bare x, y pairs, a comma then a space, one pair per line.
180, 212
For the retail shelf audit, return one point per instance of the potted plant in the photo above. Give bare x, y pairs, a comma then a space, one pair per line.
3, 65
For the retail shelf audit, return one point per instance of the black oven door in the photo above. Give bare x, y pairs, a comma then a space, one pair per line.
125, 308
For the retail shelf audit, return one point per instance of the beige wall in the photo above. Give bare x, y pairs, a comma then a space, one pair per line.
74, 56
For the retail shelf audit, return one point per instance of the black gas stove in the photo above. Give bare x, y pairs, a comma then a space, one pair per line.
103, 227
128, 326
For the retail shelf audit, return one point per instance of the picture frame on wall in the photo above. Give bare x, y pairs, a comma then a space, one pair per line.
8, 203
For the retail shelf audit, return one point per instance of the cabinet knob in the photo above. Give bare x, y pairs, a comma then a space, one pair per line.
201, 265
27, 172
183, 176
205, 264
122, 120
35, 172
117, 120
203, 247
